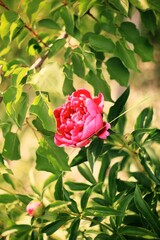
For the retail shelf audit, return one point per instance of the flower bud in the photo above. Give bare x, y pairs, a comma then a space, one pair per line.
35, 208
129, 138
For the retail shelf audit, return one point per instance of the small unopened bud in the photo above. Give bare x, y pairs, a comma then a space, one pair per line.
129, 138
35, 208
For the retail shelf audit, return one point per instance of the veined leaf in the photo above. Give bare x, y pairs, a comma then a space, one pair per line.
7, 198
99, 85
74, 229
144, 49
145, 210
112, 185
16, 103
85, 197
49, 79
117, 108
121, 5
78, 64
126, 55
101, 43
54, 226
86, 173
67, 16
101, 211
11, 149
141, 4
129, 31
40, 107
84, 6
137, 232
16, 28
93, 151
118, 71
48, 23
154, 4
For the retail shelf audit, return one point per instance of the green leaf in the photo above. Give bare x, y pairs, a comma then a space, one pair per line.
99, 85
149, 20
145, 210
11, 149
40, 107
137, 232
48, 23
44, 162
112, 183
78, 64
76, 186
51, 158
89, 59
144, 119
8, 180
101, 211
18, 75
144, 49
60, 155
117, 108
102, 236
7, 198
86, 173
143, 4
47, 78
74, 229
154, 4
121, 5
84, 6
105, 162
79, 158
7, 18
3, 168
53, 227
67, 16
129, 31
24, 199
93, 151
142, 179
57, 205
58, 194
34, 47
126, 55
32, 8
118, 71
57, 45
68, 87
122, 206
101, 43
16, 103
85, 197
145, 161
38, 125
16, 29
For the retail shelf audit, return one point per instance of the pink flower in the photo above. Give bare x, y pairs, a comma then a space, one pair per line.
79, 119
35, 208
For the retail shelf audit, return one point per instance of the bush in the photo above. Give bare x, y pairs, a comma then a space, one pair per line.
93, 177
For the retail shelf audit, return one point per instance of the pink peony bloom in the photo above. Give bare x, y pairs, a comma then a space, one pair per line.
35, 208
79, 119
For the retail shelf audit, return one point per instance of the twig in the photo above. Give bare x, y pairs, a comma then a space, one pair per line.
26, 26
35, 34
34, 131
91, 15
3, 5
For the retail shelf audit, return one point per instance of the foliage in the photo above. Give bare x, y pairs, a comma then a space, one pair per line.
48, 48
